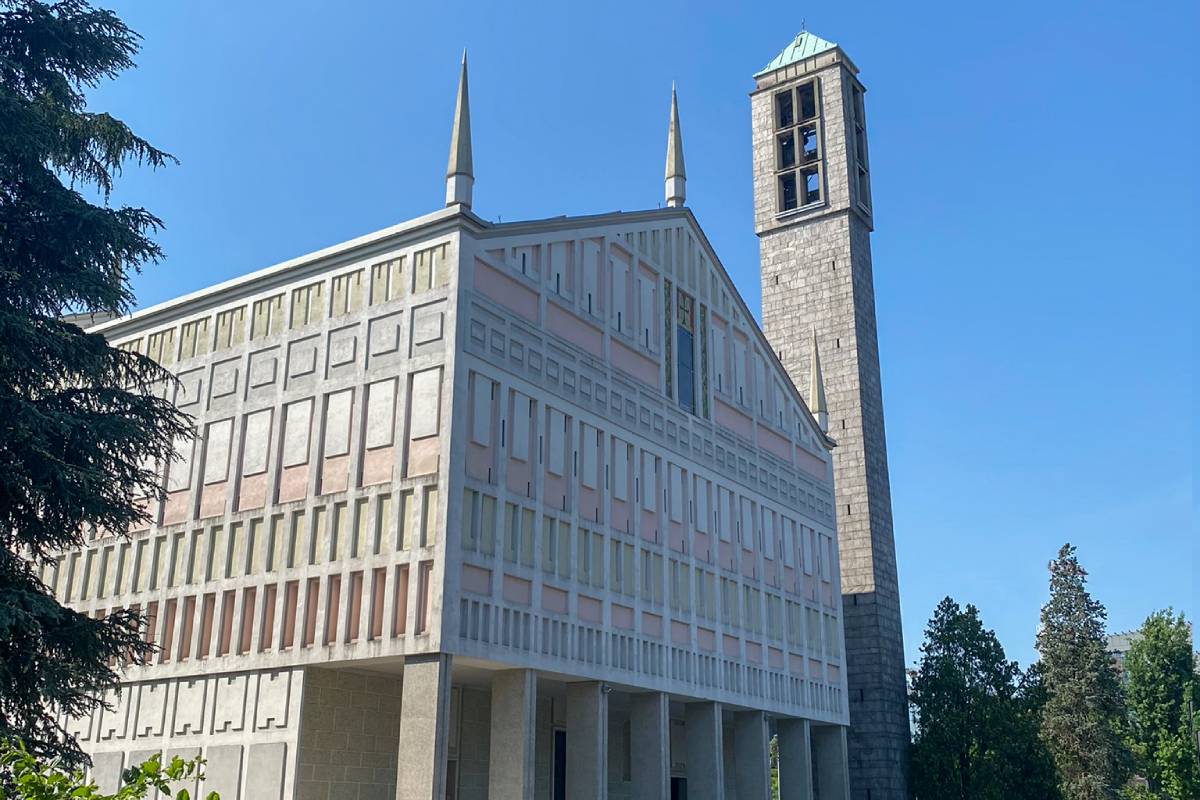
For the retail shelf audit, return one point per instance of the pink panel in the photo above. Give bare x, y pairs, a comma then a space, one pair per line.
554, 491
834, 673
678, 538
827, 593
681, 632
335, 474
334, 609
634, 363
355, 611
652, 624
706, 640
790, 582
589, 608
795, 663
774, 444
770, 572
377, 466
145, 505
774, 658
649, 526
293, 483
620, 515
702, 545
519, 477
476, 580
589, 503
212, 499
479, 462
749, 564
725, 553
733, 419
505, 291
754, 652
731, 645
814, 668
554, 600
810, 463
574, 329
253, 492
517, 590
176, 507
622, 617
423, 456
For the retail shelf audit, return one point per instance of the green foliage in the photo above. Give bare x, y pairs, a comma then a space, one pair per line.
976, 714
1160, 693
1084, 711
23, 776
82, 425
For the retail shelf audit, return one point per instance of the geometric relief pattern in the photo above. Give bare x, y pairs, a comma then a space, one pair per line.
274, 694
190, 694
151, 709
229, 705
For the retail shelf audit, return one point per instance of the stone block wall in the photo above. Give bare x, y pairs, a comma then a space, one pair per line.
349, 736
817, 280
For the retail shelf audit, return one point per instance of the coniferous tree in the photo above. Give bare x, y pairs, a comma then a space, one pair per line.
1160, 691
82, 424
974, 740
1083, 714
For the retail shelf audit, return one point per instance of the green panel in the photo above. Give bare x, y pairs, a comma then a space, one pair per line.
805, 45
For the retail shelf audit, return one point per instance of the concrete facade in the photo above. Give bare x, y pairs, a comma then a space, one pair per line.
520, 510
817, 282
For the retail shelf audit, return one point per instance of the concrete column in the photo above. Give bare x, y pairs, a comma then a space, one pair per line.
510, 758
752, 762
650, 746
705, 752
795, 760
587, 741
830, 762
424, 718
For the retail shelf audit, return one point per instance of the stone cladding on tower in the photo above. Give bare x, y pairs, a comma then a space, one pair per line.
813, 219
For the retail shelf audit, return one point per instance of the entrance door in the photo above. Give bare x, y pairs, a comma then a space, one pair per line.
560, 765
678, 788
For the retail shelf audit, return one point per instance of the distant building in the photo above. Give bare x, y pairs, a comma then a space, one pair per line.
529, 509
1118, 646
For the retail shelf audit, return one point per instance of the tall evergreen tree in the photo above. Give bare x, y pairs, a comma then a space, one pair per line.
973, 740
1161, 689
82, 424
1084, 711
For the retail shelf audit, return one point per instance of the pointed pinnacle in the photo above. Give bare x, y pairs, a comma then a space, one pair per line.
675, 168
460, 135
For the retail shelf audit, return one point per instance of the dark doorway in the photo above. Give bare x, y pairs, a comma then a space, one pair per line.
678, 788
560, 765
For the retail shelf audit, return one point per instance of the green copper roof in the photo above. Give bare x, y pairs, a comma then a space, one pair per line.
805, 45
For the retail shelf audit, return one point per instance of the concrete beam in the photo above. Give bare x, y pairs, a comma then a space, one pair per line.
650, 745
705, 751
424, 722
752, 763
831, 764
511, 752
587, 741
795, 760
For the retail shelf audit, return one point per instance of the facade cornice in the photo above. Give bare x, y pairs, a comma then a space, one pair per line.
437, 223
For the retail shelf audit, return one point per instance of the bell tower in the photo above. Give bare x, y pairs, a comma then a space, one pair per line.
812, 214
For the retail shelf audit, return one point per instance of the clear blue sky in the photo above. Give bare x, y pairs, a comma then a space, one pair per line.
1034, 183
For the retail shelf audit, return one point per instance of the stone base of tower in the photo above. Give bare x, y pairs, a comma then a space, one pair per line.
879, 735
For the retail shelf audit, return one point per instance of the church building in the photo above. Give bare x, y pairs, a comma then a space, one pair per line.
529, 509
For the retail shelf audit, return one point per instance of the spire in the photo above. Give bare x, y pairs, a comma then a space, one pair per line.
676, 177
816, 390
460, 174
